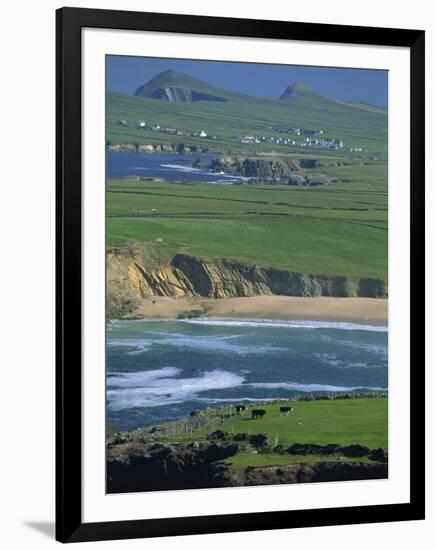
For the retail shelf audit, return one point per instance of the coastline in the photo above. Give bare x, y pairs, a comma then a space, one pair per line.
371, 311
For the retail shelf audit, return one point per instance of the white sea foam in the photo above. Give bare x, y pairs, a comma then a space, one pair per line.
182, 168
284, 324
141, 378
137, 345
162, 387
333, 360
311, 387
154, 388
224, 344
223, 177
369, 347
237, 399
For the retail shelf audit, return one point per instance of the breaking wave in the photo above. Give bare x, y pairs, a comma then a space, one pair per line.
312, 387
161, 387
285, 324
224, 344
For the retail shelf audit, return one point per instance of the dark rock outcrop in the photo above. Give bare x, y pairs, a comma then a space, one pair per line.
307, 473
143, 467
349, 451
255, 167
272, 171
134, 464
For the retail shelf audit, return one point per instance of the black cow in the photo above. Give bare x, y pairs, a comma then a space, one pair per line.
286, 410
258, 413
240, 409
194, 413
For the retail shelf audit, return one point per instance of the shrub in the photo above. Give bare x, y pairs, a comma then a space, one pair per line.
352, 451
258, 440
378, 455
218, 434
305, 449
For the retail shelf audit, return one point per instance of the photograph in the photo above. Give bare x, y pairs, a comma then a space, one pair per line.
246, 274
217, 243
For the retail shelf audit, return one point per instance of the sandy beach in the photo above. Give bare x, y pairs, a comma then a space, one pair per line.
357, 310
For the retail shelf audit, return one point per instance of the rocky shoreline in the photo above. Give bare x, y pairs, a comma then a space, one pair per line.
137, 467
269, 171
157, 458
255, 170
157, 148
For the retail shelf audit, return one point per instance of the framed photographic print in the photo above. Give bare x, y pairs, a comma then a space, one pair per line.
240, 274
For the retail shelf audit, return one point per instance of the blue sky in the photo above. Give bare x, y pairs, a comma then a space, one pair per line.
125, 74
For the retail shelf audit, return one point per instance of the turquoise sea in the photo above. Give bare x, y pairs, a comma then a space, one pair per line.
169, 166
159, 371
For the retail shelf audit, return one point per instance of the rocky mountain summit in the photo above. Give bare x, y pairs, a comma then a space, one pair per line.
179, 87
298, 88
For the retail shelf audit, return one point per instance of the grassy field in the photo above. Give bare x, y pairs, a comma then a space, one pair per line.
338, 230
244, 115
362, 421
348, 421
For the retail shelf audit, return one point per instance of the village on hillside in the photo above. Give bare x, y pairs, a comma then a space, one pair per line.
309, 140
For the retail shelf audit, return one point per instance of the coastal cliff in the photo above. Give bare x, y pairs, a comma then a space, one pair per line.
201, 464
272, 171
130, 281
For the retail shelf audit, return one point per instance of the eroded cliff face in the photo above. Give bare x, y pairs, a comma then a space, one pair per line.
129, 281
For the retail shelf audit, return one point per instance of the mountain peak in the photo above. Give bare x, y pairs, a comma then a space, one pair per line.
298, 88
170, 85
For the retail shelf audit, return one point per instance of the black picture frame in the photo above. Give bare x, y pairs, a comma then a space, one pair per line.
69, 525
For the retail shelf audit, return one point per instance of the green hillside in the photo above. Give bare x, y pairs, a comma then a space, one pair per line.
360, 421
174, 79
367, 107
238, 115
338, 230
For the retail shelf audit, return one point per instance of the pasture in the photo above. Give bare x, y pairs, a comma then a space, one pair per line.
359, 421
246, 115
339, 229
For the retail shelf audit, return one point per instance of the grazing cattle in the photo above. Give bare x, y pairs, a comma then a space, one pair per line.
286, 410
240, 409
194, 413
258, 413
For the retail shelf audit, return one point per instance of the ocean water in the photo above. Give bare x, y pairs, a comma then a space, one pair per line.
170, 166
158, 371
